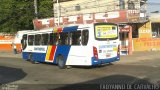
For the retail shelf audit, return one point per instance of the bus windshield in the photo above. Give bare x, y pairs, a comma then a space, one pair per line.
106, 31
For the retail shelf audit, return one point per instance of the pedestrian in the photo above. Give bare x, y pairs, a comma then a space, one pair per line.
14, 48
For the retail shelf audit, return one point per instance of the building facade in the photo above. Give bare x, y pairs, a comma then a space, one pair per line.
148, 34
76, 7
129, 14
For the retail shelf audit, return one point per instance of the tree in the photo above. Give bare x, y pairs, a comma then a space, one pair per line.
45, 8
16, 15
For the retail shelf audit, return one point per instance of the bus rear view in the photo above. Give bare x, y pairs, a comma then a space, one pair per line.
106, 44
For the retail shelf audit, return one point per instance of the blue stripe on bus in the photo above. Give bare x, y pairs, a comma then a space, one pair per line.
62, 50
103, 61
25, 55
39, 57
35, 56
69, 29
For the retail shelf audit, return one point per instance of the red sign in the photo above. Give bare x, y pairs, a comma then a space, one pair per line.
124, 29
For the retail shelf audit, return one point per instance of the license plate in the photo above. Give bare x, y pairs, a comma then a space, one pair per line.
108, 55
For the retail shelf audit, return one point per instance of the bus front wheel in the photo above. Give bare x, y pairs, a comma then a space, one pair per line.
61, 62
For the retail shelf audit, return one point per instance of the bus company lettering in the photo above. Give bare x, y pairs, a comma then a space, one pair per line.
106, 46
39, 49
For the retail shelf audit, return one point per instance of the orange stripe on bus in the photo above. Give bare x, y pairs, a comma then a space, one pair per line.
52, 53
48, 52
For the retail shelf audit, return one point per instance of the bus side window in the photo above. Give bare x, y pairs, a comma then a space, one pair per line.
24, 41
64, 39
85, 36
30, 39
59, 39
53, 39
38, 39
76, 37
44, 39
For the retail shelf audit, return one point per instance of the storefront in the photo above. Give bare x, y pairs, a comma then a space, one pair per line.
125, 35
148, 35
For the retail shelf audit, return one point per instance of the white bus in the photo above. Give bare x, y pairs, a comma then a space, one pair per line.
83, 45
17, 40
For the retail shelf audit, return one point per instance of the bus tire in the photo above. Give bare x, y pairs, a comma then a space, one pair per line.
110, 63
31, 59
61, 62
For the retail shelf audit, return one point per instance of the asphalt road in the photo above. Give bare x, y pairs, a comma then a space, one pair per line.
18, 74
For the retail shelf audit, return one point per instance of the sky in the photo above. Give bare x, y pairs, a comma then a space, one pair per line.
153, 5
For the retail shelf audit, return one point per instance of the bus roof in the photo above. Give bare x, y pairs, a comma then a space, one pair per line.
65, 28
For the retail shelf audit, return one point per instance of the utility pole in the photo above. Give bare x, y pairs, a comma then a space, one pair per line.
35, 8
57, 10
58, 13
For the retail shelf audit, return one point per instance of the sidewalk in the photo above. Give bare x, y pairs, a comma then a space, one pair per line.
135, 57
10, 54
140, 56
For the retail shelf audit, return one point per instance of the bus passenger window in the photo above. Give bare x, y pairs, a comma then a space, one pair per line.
64, 39
54, 38
30, 39
67, 39
51, 39
38, 39
85, 36
44, 39
76, 38
24, 41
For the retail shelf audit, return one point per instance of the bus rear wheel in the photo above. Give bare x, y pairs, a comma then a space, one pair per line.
61, 62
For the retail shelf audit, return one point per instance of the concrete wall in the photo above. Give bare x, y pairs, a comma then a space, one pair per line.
6, 42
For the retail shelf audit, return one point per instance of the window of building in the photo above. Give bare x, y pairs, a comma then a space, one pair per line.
30, 39
156, 30
38, 39
122, 4
85, 36
44, 39
131, 5
77, 7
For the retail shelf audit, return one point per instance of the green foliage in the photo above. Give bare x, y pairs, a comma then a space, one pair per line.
45, 8
19, 14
